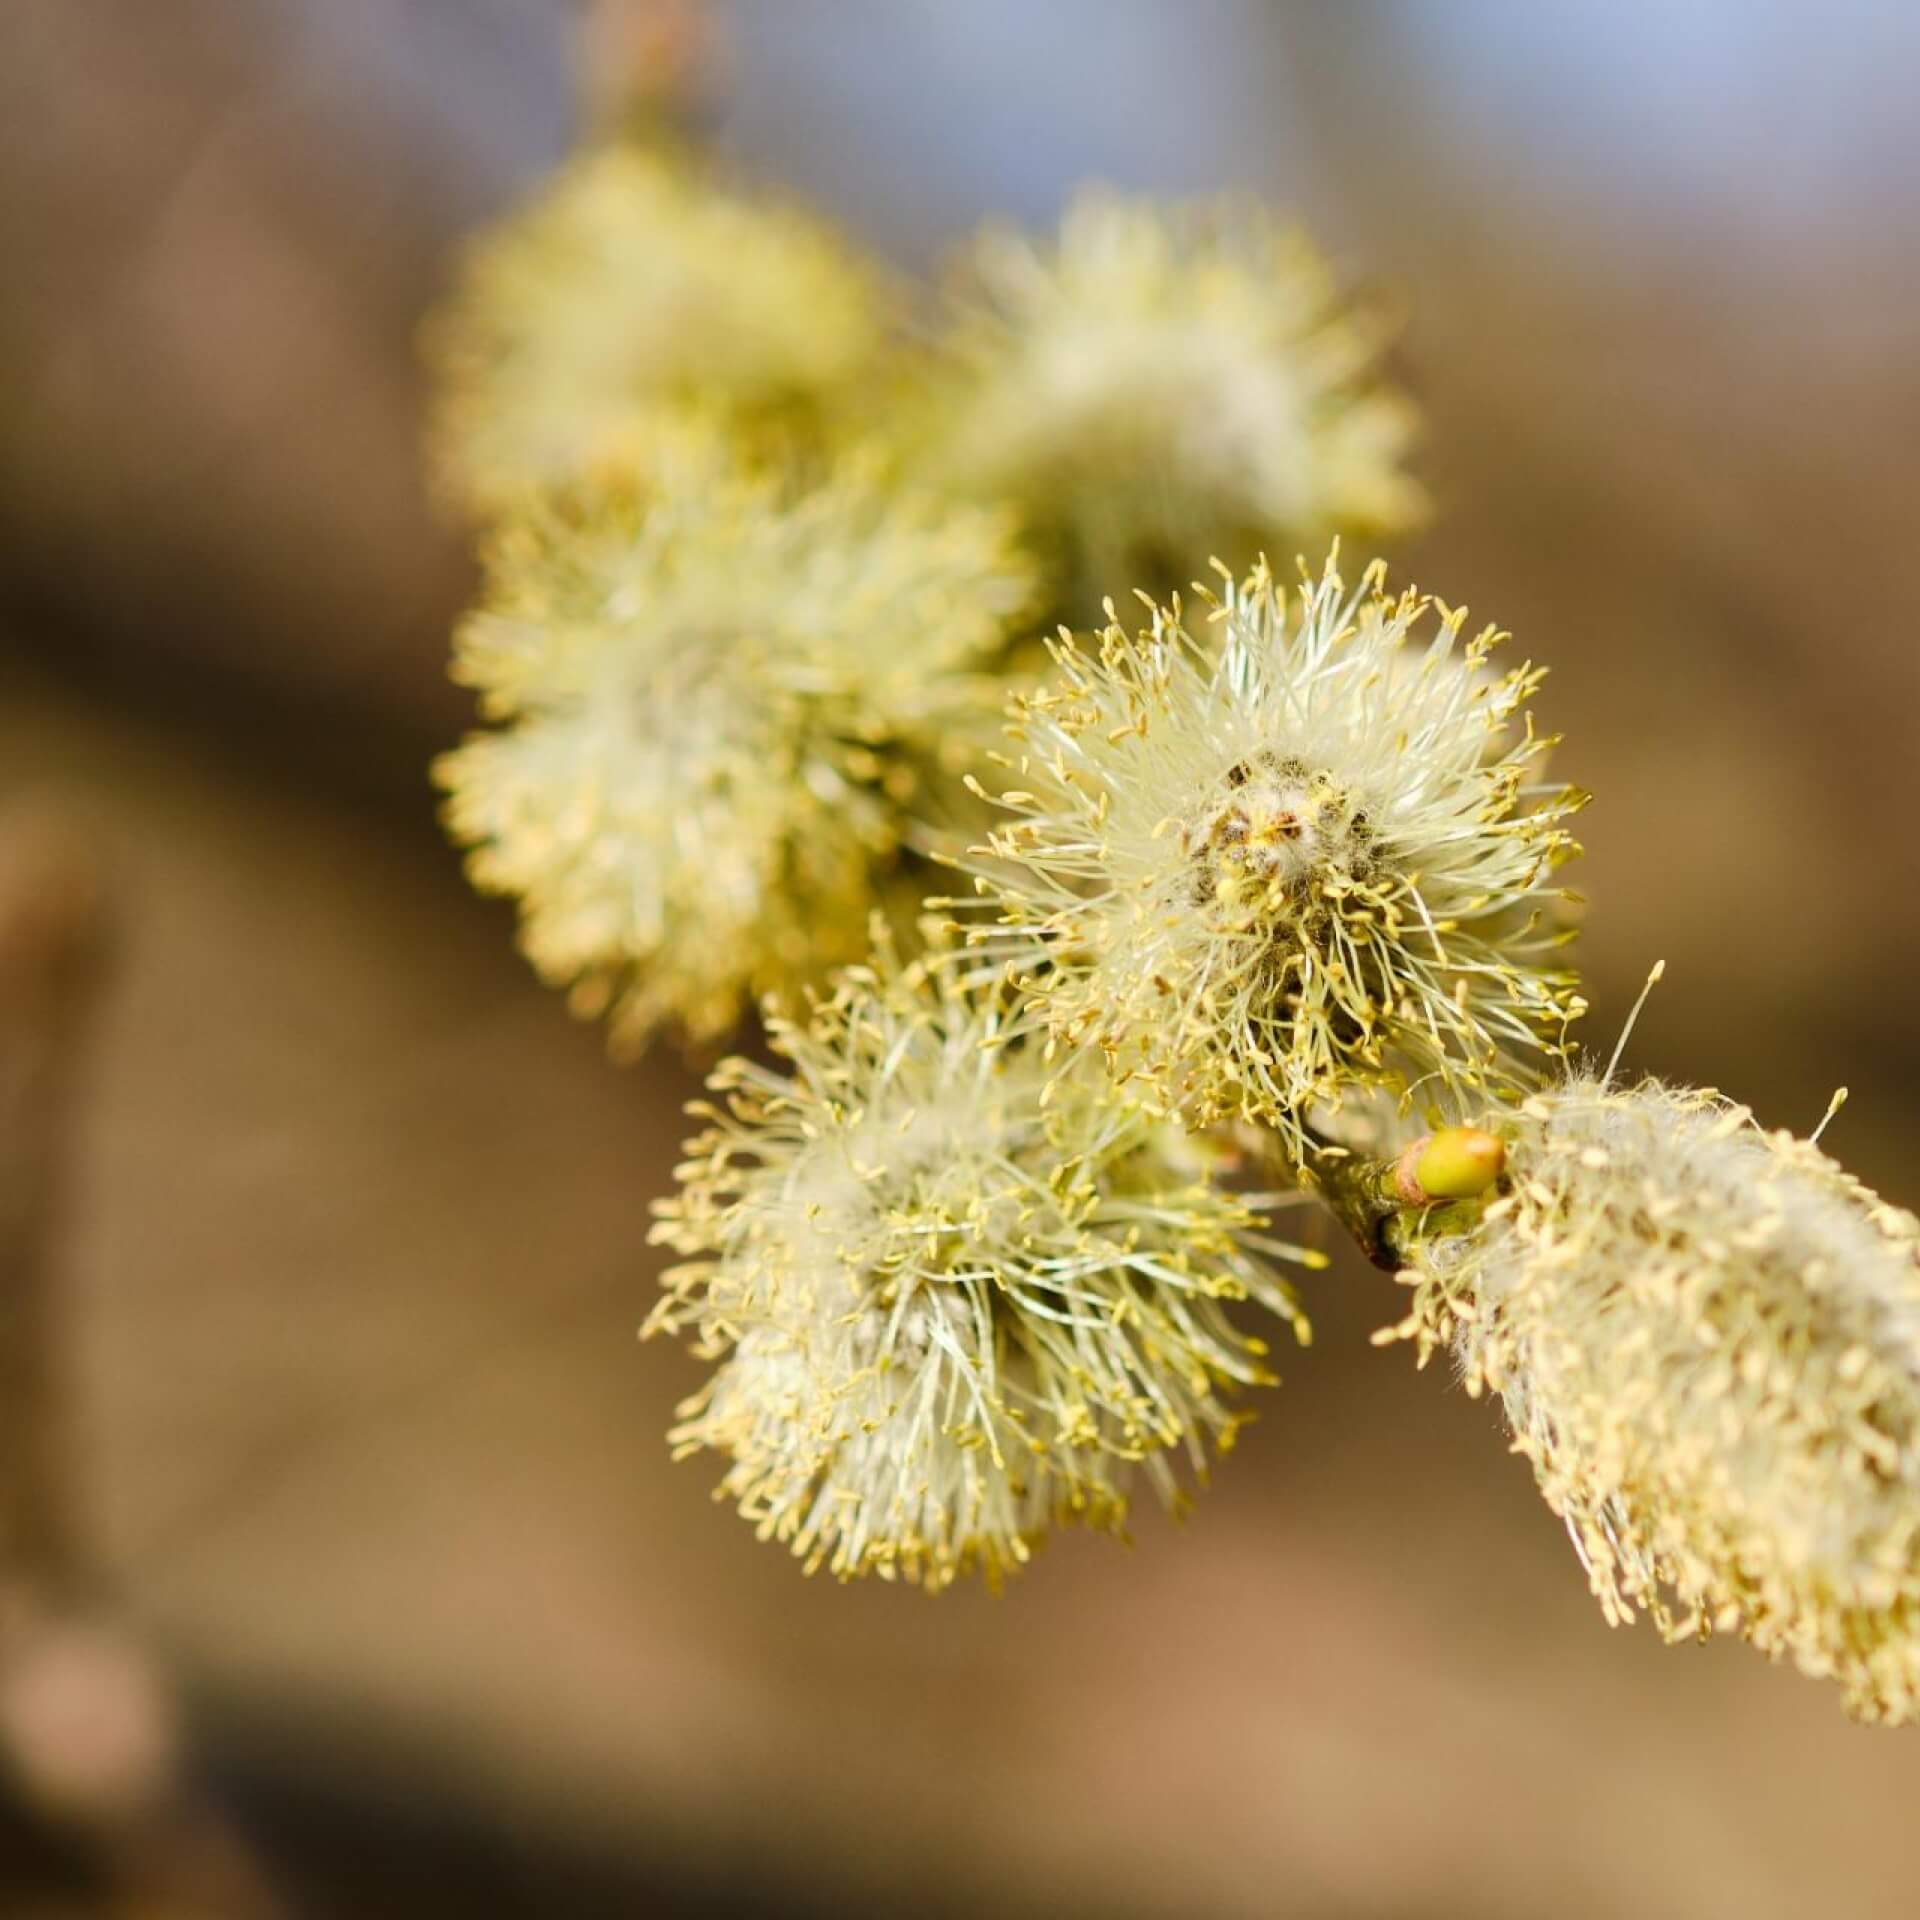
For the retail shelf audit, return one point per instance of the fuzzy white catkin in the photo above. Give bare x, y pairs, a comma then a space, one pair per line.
1707, 1340
953, 1303
1164, 381
635, 284
1262, 858
722, 697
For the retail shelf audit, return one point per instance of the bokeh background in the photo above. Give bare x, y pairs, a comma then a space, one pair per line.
351, 1249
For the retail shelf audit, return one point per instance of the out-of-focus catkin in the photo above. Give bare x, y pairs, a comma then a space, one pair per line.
1163, 382
720, 698
633, 285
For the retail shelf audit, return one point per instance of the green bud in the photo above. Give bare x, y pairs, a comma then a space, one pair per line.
1458, 1163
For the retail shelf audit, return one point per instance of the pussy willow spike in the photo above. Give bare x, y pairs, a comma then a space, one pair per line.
954, 1300
1287, 850
719, 698
1162, 382
1706, 1337
635, 284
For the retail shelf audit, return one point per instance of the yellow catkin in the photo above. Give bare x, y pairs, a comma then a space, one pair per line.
1164, 382
949, 1313
632, 285
720, 700
1264, 858
1707, 1340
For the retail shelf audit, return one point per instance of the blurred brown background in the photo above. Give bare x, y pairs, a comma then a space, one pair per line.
354, 1242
